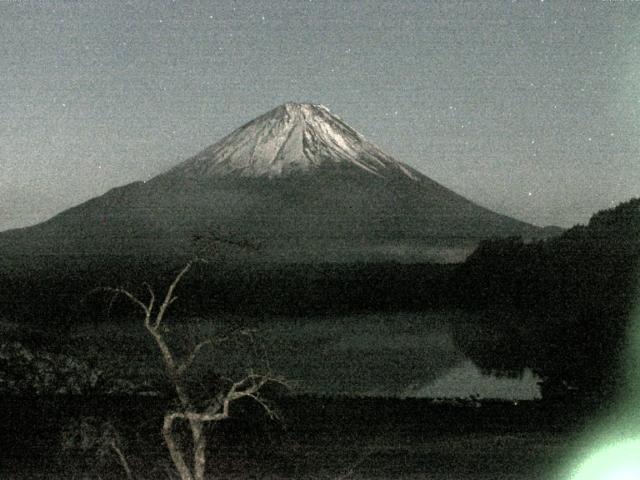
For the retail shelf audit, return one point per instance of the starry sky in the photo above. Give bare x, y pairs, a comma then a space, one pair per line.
531, 108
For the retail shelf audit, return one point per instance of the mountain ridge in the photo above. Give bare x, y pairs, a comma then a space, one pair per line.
299, 181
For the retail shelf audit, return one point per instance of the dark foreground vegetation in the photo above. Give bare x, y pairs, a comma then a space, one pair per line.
315, 437
560, 307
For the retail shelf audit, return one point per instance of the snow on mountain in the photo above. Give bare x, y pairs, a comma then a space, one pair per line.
298, 180
294, 137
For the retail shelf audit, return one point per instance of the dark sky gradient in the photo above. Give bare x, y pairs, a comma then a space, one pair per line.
531, 108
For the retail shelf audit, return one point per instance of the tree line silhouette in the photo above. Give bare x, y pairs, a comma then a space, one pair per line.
559, 306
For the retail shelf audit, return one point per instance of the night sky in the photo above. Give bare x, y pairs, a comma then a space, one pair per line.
531, 108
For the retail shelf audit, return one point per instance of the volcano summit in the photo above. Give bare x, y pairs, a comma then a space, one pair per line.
297, 179
293, 138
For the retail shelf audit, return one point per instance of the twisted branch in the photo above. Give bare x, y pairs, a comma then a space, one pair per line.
218, 406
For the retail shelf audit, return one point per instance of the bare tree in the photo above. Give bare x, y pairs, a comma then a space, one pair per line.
101, 439
195, 414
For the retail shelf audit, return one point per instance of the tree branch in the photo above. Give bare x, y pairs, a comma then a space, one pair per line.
273, 415
152, 301
210, 238
169, 298
364, 457
219, 405
194, 353
129, 295
122, 459
247, 387
174, 448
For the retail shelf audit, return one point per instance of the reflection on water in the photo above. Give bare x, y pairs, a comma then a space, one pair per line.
392, 354
467, 380
400, 354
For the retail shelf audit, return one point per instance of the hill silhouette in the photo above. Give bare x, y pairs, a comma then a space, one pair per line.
561, 306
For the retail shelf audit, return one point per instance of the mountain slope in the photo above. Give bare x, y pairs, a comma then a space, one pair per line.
298, 180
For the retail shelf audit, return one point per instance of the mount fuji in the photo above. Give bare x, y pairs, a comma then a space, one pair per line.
299, 181
293, 138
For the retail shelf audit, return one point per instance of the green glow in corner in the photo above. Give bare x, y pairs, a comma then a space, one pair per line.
616, 441
615, 462
630, 401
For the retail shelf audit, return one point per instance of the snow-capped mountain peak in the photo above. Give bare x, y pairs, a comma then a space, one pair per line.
294, 137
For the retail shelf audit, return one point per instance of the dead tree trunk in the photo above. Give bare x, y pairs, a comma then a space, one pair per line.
195, 418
